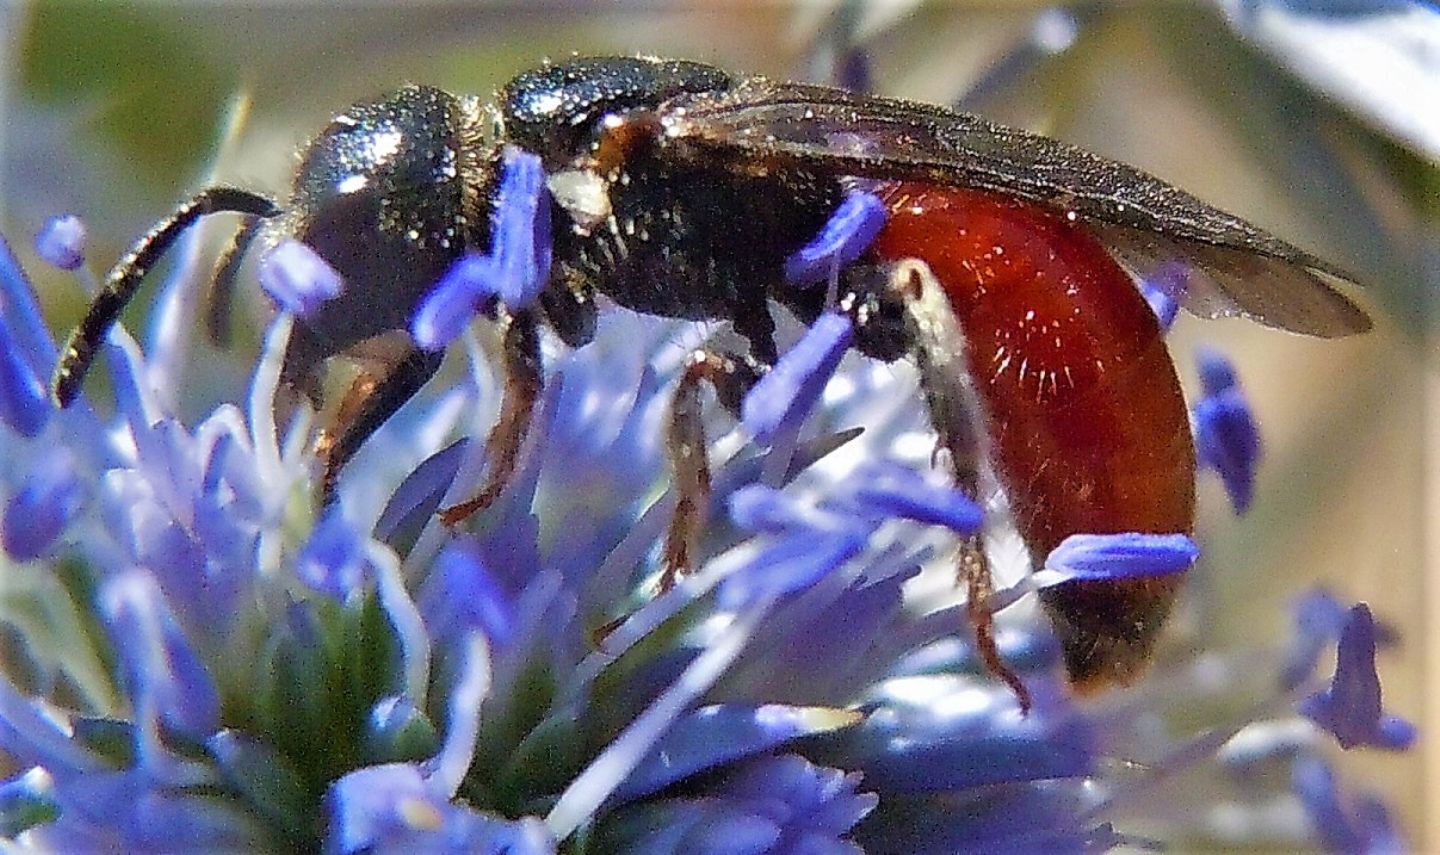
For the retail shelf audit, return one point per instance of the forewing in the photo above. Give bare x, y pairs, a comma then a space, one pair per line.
1215, 264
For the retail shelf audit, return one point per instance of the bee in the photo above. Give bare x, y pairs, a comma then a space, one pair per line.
1005, 269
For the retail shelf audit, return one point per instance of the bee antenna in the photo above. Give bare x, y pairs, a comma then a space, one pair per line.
125, 278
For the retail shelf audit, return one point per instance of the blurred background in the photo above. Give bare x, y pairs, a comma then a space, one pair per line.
1314, 118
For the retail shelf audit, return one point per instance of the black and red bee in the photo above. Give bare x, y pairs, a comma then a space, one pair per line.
1004, 268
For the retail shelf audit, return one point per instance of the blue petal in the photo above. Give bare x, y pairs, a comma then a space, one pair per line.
461, 594
461, 292
790, 564
1228, 441
1319, 619
521, 239
46, 503
949, 733
1111, 557
758, 508
392, 808
61, 241
1164, 306
1314, 782
298, 279
898, 491
24, 401
31, 738
1351, 707
516, 269
415, 501
130, 811
715, 735
20, 308
333, 559
845, 237
162, 671
801, 796
786, 394
1217, 372
768, 805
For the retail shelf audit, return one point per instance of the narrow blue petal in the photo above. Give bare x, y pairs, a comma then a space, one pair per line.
790, 564
946, 733
24, 401
134, 398
1111, 557
1164, 306
786, 394
461, 595
1217, 372
47, 502
1319, 619
1378, 829
516, 269
392, 808
462, 291
462, 716
898, 491
131, 811
521, 239
1228, 441
1350, 708
20, 308
297, 278
333, 559
759, 508
162, 671
414, 502
30, 738
715, 735
367, 804
845, 237
1313, 781
61, 241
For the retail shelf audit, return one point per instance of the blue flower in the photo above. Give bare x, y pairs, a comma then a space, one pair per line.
515, 269
243, 670
1350, 708
61, 241
298, 279
1227, 439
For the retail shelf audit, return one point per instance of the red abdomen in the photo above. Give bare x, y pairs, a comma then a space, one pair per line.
1086, 424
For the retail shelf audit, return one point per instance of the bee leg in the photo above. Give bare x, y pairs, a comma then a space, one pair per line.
125, 277
938, 344
524, 381
370, 401
731, 375
220, 296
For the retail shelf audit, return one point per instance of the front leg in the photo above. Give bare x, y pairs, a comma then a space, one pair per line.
731, 375
524, 381
370, 402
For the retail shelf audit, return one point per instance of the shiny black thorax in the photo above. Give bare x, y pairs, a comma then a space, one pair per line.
679, 237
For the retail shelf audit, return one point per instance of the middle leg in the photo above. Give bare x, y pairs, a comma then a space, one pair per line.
731, 375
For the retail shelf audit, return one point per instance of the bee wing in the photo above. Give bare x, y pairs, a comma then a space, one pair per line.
1213, 263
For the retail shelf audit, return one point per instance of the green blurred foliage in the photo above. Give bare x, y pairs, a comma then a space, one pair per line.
155, 95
